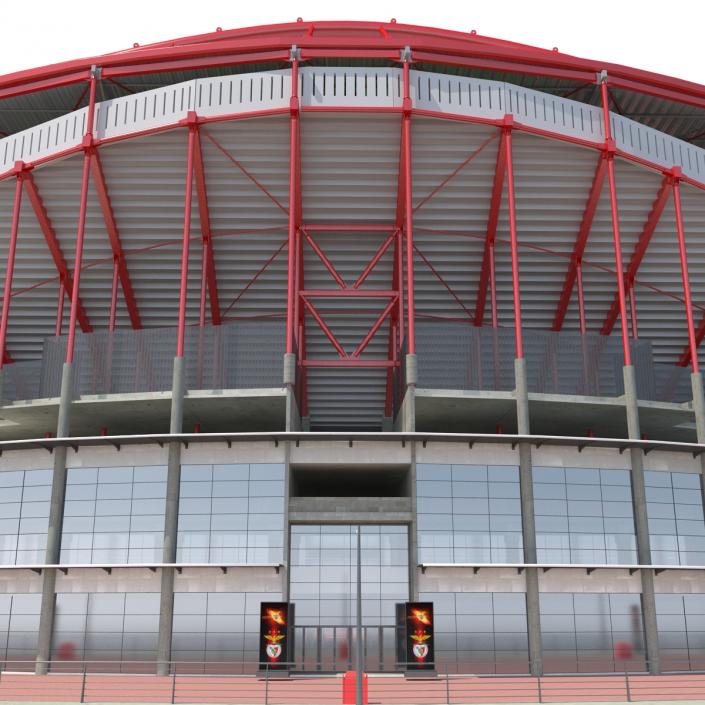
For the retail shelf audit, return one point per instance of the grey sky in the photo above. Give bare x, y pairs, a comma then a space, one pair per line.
659, 36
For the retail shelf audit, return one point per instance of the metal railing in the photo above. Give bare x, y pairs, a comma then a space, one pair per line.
460, 356
240, 355
218, 682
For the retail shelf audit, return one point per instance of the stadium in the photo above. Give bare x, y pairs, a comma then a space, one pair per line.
271, 291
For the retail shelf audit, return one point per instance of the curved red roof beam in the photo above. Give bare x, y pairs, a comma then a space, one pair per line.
349, 39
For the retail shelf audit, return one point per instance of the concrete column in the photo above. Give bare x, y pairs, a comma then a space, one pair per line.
55, 524
408, 406
641, 521
696, 383
413, 530
528, 524
171, 520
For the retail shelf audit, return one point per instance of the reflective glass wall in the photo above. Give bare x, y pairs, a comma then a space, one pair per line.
24, 515
480, 632
584, 515
114, 631
674, 504
231, 513
681, 626
468, 513
19, 630
114, 515
217, 632
323, 573
591, 632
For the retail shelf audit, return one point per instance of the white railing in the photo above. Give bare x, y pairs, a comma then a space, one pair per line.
350, 87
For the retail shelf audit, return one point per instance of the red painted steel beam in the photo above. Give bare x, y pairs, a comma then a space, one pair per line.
692, 347
637, 257
491, 233
324, 259
374, 261
408, 215
349, 362
580, 242
10, 265
294, 175
375, 327
114, 237
610, 150
53, 245
324, 327
208, 263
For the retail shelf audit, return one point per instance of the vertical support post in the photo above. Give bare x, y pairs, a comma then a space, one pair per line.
636, 455
358, 621
290, 356
526, 487
10, 266
696, 378
410, 362
171, 514
58, 487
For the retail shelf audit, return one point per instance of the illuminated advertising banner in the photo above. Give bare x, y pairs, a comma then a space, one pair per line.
274, 635
419, 636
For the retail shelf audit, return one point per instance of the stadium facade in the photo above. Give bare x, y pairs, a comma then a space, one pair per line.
265, 286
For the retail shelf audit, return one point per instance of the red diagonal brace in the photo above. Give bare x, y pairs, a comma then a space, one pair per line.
639, 251
326, 262
114, 236
54, 247
204, 218
375, 259
492, 220
375, 327
324, 327
580, 242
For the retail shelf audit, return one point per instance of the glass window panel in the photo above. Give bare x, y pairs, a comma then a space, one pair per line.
231, 472
433, 473
117, 474
12, 478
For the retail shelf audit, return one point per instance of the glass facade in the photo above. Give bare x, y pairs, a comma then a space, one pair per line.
114, 515
19, 630
584, 515
468, 513
24, 515
220, 629
231, 513
323, 573
674, 504
483, 632
591, 632
112, 630
681, 626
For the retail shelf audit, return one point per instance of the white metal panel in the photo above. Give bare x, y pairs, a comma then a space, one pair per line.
361, 87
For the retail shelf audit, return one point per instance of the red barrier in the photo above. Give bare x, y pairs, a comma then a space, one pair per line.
349, 688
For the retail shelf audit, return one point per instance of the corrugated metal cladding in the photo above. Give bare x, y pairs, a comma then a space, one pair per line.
349, 174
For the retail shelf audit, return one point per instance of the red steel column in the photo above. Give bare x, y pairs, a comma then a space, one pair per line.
81, 229
293, 191
188, 197
409, 215
10, 267
692, 344
610, 151
493, 287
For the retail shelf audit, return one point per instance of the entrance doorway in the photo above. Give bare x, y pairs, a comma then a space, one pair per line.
322, 585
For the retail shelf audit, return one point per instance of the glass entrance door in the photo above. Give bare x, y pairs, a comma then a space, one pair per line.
322, 575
